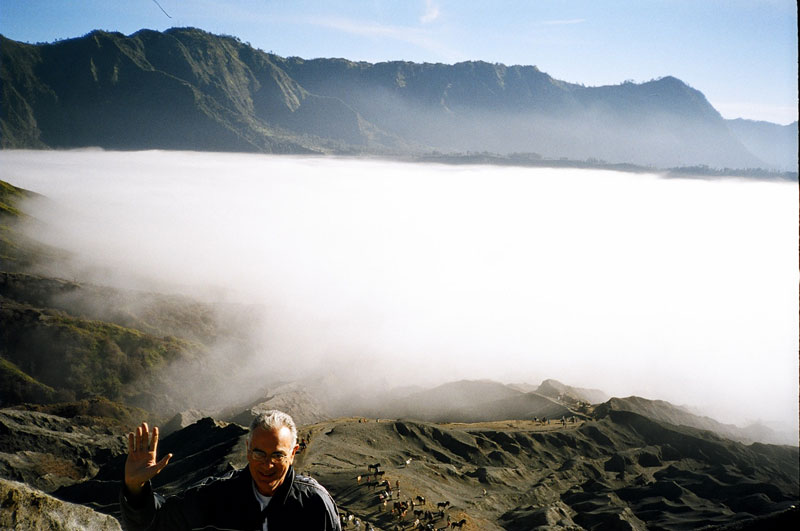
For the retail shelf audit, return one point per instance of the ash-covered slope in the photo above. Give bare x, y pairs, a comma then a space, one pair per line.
188, 89
618, 470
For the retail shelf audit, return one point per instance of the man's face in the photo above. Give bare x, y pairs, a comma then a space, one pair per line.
269, 454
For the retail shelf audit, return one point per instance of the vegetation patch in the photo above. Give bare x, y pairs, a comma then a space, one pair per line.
82, 358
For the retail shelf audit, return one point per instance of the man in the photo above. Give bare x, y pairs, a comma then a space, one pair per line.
268, 496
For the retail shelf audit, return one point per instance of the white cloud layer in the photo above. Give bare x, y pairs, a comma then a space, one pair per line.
685, 290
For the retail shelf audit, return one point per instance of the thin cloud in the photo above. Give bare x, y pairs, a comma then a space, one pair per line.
370, 29
431, 12
418, 37
563, 22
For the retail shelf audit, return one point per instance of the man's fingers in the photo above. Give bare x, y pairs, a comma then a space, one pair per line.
145, 445
158, 467
161, 464
131, 443
154, 441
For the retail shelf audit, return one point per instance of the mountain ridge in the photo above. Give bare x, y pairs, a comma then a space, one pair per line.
188, 89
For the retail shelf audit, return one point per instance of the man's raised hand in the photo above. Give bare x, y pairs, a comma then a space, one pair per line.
141, 464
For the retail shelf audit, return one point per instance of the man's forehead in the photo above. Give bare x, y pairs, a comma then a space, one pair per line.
278, 436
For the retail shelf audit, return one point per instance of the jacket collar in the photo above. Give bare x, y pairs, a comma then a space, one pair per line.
279, 497
283, 491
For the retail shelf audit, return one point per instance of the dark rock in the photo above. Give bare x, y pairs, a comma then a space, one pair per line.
648, 459
616, 463
481, 473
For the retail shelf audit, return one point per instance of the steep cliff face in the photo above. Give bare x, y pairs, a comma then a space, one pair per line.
187, 89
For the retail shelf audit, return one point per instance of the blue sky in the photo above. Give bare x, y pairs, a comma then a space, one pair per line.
742, 54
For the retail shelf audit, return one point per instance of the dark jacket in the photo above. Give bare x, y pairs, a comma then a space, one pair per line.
300, 503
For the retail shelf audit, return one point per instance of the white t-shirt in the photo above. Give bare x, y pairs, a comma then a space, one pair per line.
263, 501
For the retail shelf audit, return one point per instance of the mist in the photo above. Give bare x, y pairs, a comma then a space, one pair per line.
377, 273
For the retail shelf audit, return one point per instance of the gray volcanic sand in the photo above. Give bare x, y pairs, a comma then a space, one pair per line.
622, 471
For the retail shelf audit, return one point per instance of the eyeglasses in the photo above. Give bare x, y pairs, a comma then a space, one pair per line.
263, 457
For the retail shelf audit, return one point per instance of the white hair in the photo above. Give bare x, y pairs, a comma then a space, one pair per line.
271, 420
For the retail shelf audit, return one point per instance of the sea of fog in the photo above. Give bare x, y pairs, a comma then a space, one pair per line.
400, 273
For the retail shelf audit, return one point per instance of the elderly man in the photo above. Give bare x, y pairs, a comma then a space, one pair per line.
266, 496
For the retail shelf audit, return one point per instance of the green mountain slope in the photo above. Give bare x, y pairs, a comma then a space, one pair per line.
183, 89
188, 89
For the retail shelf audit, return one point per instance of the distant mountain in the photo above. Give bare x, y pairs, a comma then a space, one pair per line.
448, 399
528, 406
294, 399
566, 393
662, 411
775, 144
188, 89
470, 401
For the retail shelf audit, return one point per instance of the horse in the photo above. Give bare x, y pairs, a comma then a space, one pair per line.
421, 500
442, 505
374, 467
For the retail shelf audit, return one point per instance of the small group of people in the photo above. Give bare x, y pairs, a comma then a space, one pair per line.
350, 519
267, 495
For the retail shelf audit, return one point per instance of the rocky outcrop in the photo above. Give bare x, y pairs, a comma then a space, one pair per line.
48, 451
23, 507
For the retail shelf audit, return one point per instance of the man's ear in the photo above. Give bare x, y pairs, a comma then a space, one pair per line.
294, 450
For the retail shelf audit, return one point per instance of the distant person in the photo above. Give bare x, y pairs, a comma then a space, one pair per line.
267, 496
